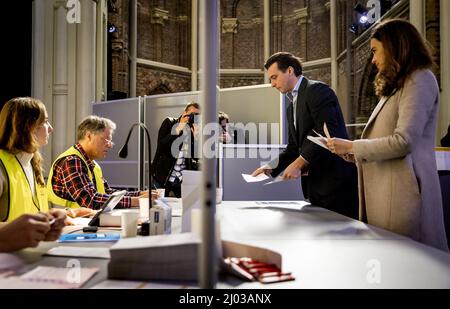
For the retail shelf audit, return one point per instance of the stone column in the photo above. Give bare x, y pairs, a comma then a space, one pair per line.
60, 80
158, 18
334, 44
101, 52
301, 15
417, 14
444, 113
86, 54
230, 28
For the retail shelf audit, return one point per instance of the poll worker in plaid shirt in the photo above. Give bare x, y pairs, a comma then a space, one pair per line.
76, 181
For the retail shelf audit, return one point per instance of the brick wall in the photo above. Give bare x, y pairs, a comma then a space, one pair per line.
164, 35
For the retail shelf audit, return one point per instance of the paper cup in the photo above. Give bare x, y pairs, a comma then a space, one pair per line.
129, 223
143, 208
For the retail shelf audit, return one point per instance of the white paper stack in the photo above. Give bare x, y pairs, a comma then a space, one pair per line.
161, 257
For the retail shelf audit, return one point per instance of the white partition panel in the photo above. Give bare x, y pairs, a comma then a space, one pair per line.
159, 107
244, 159
117, 171
259, 107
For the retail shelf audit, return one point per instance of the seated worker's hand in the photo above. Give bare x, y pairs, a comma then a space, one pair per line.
69, 221
56, 228
155, 194
80, 212
264, 169
25, 231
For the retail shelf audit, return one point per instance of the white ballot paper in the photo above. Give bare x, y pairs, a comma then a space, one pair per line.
277, 179
318, 141
259, 178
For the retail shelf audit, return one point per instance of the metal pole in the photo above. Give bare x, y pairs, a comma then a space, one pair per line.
266, 36
133, 47
194, 42
334, 48
208, 97
349, 76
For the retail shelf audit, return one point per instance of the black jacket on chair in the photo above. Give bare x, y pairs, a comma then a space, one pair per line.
331, 182
164, 161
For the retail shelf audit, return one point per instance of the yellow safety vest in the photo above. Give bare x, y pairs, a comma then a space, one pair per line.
72, 151
20, 199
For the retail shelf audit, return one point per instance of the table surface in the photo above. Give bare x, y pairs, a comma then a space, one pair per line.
321, 248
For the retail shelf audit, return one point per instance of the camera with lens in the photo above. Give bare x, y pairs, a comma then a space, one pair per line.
191, 118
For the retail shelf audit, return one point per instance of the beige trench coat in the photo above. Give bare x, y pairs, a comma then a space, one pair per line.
399, 187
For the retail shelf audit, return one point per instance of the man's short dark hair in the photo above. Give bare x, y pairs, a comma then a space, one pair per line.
284, 61
223, 116
190, 104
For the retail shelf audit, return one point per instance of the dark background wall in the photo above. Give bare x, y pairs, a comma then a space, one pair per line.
15, 53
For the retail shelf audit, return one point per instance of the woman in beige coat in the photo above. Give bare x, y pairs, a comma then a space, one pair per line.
398, 181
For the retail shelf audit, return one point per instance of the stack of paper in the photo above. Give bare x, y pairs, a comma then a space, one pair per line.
162, 257
44, 277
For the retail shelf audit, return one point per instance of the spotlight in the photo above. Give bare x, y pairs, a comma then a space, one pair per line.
361, 10
363, 20
111, 28
353, 28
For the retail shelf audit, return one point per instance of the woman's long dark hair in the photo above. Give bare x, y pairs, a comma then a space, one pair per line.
18, 119
405, 51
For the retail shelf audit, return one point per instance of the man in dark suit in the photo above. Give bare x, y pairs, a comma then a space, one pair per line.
175, 151
328, 181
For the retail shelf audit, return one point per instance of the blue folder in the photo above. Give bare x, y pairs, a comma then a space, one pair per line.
89, 237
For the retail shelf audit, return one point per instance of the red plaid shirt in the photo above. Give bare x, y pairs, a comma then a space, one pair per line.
71, 182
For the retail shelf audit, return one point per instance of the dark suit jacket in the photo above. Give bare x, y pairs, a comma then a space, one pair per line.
331, 182
164, 161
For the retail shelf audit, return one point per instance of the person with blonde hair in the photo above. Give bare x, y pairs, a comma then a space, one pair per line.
24, 129
398, 180
76, 179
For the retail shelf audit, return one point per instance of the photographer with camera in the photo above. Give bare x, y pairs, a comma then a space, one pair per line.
167, 166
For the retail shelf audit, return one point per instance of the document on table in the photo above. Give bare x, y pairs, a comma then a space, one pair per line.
85, 252
295, 205
124, 284
43, 277
259, 178
66, 277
